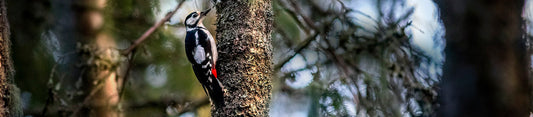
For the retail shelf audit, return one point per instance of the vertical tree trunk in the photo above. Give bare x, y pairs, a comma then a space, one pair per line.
6, 67
98, 59
9, 102
245, 56
485, 73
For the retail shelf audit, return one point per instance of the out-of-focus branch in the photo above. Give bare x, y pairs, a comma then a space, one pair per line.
295, 17
194, 105
131, 49
152, 29
99, 86
297, 51
294, 13
307, 20
126, 76
181, 106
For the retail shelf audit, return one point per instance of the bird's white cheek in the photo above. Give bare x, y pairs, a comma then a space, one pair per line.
190, 21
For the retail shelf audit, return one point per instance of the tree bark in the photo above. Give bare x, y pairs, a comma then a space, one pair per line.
10, 105
485, 73
99, 60
245, 56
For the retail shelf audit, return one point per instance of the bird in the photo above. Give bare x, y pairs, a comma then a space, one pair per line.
201, 51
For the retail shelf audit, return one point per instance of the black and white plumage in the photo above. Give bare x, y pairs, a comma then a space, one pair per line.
201, 51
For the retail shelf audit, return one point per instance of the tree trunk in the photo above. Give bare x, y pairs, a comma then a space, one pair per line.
245, 56
485, 73
10, 105
98, 59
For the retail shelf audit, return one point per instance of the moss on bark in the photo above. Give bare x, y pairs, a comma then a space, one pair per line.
245, 56
10, 105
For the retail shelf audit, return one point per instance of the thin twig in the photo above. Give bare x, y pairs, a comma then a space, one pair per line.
51, 94
48, 101
50, 91
295, 17
307, 20
126, 76
137, 42
99, 86
181, 105
194, 105
152, 30
297, 51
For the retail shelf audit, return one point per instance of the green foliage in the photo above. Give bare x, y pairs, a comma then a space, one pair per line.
162, 54
45, 54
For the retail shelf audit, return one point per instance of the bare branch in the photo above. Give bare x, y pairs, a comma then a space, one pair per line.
126, 76
181, 105
297, 50
99, 86
152, 30
194, 105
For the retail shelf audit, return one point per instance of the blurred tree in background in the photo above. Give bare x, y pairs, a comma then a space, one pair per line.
485, 73
98, 61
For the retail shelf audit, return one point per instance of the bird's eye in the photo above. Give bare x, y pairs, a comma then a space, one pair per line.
195, 15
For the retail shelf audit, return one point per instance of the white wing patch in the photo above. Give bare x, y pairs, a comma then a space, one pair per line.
208, 64
213, 45
199, 54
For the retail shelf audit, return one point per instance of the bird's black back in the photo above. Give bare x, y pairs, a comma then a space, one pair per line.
190, 43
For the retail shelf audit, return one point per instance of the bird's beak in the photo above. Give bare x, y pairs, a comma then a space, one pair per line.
204, 13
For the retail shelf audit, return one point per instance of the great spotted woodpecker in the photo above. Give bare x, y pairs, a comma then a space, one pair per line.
201, 51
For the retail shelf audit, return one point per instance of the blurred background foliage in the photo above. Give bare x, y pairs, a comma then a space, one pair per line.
356, 61
332, 57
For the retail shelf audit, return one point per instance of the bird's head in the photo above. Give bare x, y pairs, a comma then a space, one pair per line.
194, 19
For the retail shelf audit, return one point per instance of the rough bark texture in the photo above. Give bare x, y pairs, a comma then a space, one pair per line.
9, 106
245, 56
99, 60
485, 73
6, 70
